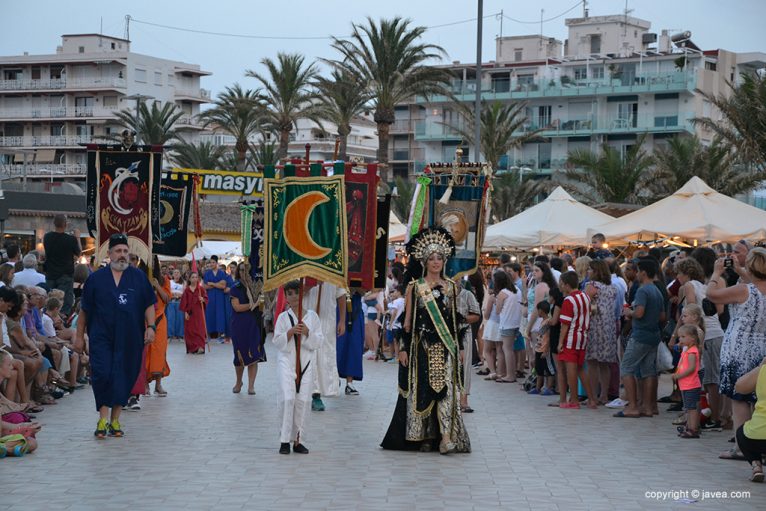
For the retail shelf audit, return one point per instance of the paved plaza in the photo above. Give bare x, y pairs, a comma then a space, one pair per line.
203, 447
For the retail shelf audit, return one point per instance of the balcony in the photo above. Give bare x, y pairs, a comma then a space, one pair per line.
11, 170
50, 141
63, 113
401, 126
407, 154
676, 81
433, 130
589, 125
55, 84
198, 95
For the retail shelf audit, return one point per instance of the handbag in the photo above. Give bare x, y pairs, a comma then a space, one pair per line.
664, 358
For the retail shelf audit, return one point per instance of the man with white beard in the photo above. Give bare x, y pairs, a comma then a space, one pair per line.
324, 298
117, 309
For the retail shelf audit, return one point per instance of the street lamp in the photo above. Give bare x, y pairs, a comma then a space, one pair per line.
140, 98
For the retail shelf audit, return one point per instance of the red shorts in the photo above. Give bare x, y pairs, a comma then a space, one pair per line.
572, 355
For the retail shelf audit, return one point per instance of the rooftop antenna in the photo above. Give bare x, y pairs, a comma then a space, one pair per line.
584, 8
127, 27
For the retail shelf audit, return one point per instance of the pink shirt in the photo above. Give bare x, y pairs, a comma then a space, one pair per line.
693, 380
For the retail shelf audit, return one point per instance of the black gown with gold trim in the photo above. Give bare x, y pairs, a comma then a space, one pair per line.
429, 388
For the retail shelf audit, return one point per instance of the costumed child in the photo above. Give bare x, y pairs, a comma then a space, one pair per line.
294, 396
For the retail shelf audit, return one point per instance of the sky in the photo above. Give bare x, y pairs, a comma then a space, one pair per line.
35, 26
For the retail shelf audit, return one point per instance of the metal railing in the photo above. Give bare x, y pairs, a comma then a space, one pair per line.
49, 141
42, 169
55, 112
62, 83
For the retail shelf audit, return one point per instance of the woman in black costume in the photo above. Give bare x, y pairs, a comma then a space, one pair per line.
427, 413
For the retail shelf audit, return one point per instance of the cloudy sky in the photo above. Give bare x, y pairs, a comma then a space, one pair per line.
36, 26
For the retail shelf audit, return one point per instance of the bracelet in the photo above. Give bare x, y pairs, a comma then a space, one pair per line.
153, 327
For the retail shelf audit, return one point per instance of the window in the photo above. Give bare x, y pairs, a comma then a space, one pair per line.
595, 43
12, 74
110, 101
170, 80
544, 116
36, 73
113, 46
597, 73
157, 78
81, 49
57, 130
517, 52
710, 66
141, 75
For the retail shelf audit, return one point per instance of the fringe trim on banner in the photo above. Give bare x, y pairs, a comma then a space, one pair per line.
246, 226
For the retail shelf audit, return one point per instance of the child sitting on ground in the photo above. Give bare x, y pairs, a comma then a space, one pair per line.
295, 389
687, 376
541, 339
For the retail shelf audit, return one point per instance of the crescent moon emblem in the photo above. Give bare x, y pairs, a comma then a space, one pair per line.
296, 226
167, 212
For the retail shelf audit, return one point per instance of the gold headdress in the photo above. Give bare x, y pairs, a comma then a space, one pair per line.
429, 241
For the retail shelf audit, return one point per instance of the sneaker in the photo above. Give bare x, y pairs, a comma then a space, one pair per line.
317, 405
284, 448
101, 428
370, 355
712, 426
533, 392
617, 403
133, 404
115, 429
547, 392
351, 391
300, 449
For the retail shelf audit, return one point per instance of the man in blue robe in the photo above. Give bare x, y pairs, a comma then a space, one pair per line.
216, 281
117, 309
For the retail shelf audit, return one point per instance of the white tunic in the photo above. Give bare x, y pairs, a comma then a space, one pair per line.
326, 365
293, 405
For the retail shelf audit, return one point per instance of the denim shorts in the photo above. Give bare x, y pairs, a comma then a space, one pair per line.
691, 398
508, 332
639, 360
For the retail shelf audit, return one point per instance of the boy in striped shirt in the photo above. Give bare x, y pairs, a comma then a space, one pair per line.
574, 319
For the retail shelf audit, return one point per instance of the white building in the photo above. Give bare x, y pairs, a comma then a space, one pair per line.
609, 82
50, 104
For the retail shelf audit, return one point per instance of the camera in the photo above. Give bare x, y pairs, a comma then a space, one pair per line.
728, 262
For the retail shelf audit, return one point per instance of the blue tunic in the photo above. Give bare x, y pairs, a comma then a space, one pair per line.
215, 314
116, 329
351, 344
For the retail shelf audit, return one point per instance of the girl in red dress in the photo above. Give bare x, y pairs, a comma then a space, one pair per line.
193, 303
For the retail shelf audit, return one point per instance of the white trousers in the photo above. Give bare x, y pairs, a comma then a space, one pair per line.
292, 406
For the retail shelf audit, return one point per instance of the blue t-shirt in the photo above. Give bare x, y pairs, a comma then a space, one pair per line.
646, 329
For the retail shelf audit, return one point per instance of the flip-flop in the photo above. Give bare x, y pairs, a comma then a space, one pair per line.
731, 454
622, 415
555, 404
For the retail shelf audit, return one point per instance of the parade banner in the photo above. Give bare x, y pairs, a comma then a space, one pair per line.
252, 245
462, 215
306, 232
126, 198
381, 242
176, 193
228, 182
361, 208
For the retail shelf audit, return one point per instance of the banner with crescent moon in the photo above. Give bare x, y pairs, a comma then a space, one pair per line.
305, 230
381, 242
127, 199
176, 193
361, 211
462, 215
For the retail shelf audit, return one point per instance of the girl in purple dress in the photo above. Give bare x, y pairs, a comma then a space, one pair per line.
246, 330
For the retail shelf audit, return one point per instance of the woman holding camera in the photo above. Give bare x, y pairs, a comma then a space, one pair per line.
744, 343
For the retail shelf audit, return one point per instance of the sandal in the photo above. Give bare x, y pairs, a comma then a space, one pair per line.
731, 454
483, 372
688, 433
491, 376
757, 475
237, 388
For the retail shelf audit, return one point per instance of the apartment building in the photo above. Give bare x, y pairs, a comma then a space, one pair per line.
51, 104
610, 81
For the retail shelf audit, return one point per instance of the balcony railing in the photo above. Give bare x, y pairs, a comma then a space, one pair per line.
55, 112
63, 83
402, 126
42, 169
51, 141
566, 86
202, 94
435, 130
417, 153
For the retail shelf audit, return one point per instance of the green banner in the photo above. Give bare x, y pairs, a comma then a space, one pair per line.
306, 232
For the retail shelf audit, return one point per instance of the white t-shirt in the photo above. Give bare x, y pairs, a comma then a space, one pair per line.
396, 308
6, 339
175, 287
556, 274
510, 315
48, 329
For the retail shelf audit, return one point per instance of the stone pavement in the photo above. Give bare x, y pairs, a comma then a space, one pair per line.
203, 447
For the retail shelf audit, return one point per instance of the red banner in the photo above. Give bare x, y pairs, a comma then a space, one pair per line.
361, 210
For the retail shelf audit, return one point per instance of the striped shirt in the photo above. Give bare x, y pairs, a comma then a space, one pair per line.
575, 312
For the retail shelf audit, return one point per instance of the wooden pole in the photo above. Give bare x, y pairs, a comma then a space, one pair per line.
298, 340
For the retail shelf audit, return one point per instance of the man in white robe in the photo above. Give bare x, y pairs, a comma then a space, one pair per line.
325, 299
293, 402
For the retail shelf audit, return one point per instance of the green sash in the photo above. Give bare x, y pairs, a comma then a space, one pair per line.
426, 294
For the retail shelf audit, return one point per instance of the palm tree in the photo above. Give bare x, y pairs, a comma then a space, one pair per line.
153, 125
264, 153
607, 176
342, 97
400, 203
203, 155
498, 124
240, 113
389, 58
289, 94
744, 118
512, 195
716, 164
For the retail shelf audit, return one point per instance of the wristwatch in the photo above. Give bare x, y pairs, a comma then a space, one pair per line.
153, 327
